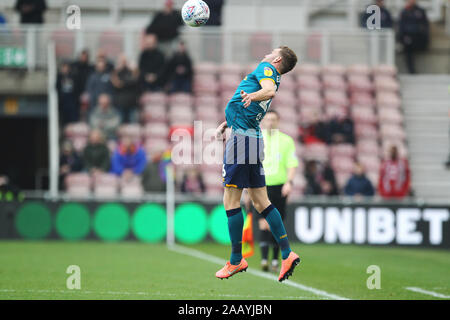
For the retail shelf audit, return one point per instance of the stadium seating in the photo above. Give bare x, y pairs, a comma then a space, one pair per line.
369, 96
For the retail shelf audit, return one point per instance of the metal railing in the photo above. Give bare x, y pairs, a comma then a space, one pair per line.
213, 44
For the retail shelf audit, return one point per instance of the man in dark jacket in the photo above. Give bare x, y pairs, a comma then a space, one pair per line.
98, 83
81, 70
179, 71
151, 64
125, 85
165, 25
67, 99
413, 32
96, 157
385, 16
31, 11
358, 185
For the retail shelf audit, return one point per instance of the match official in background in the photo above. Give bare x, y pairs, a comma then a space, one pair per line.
280, 163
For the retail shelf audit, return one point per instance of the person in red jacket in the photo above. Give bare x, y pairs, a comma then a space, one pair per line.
394, 178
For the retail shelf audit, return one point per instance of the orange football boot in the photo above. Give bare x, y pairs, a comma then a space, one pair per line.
229, 269
288, 265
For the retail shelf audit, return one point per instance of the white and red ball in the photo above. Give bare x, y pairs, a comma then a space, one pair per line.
195, 13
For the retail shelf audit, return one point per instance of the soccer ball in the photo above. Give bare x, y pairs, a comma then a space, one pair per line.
195, 13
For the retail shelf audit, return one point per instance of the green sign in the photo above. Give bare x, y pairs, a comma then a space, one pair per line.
13, 57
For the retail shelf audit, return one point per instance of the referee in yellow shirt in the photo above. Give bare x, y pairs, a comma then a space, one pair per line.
280, 162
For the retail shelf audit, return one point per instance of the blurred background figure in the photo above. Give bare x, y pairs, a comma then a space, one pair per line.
394, 178
385, 16
215, 9
96, 157
179, 71
153, 178
81, 70
413, 32
129, 159
124, 80
9, 191
340, 130
105, 117
280, 163
192, 182
31, 11
314, 131
99, 82
320, 179
359, 185
165, 26
69, 107
102, 55
151, 64
69, 161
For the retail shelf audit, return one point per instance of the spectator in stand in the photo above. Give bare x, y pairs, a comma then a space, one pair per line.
165, 26
98, 82
215, 12
129, 159
151, 64
3, 20
96, 157
153, 177
9, 191
340, 130
320, 179
315, 131
358, 185
31, 11
394, 178
81, 70
67, 98
125, 84
413, 32
69, 161
179, 71
105, 117
101, 55
385, 16
192, 182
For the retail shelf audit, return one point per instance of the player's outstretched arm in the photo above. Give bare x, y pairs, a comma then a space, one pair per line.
220, 130
266, 92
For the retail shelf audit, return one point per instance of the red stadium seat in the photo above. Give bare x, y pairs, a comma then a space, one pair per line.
364, 115
208, 101
385, 70
307, 69
359, 69
154, 98
370, 162
308, 82
360, 83
366, 131
342, 150
388, 99
181, 99
231, 69
229, 81
208, 68
131, 130
368, 146
392, 131
154, 113
316, 151
334, 69
390, 116
310, 98
362, 99
386, 83
342, 164
205, 84
336, 98
334, 82
285, 98
78, 180
156, 130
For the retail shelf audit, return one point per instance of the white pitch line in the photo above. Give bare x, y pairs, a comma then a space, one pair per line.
125, 293
213, 259
430, 293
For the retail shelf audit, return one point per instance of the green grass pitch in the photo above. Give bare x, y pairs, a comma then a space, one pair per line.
134, 270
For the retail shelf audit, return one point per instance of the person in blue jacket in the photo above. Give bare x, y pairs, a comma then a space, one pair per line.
359, 184
128, 159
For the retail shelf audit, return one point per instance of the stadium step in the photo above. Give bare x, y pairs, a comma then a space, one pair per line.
425, 100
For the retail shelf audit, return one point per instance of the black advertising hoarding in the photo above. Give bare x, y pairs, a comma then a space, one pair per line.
365, 224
